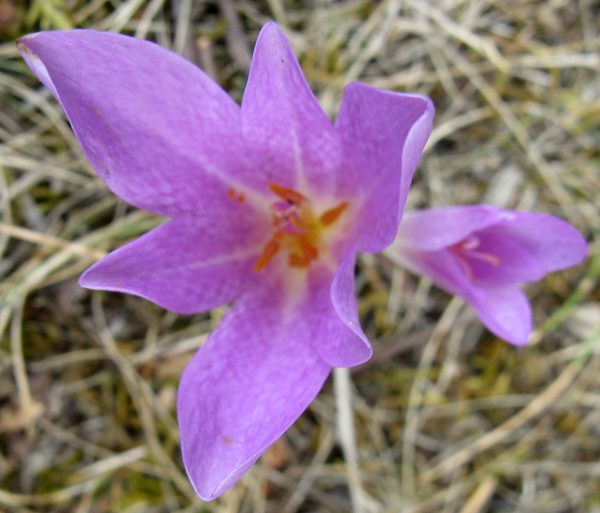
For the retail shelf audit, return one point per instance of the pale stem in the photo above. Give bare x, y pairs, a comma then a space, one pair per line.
18, 361
345, 422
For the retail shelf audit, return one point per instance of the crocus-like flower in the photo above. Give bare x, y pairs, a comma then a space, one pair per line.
269, 203
481, 253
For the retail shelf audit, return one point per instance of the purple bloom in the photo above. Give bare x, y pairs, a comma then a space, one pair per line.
269, 203
481, 253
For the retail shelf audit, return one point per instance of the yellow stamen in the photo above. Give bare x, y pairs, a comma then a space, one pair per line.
308, 249
287, 194
269, 251
331, 216
296, 230
485, 257
298, 261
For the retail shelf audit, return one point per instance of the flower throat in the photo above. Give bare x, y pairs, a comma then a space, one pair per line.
296, 228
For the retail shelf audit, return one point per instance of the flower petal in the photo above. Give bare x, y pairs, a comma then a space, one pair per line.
339, 339
441, 267
506, 312
159, 132
510, 262
383, 134
251, 380
554, 242
186, 265
438, 228
284, 123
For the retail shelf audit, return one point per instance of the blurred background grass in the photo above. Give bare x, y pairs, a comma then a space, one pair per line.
448, 417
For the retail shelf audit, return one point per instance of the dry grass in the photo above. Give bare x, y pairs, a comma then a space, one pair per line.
447, 417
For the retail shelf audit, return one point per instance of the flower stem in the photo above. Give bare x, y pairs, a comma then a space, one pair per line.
345, 422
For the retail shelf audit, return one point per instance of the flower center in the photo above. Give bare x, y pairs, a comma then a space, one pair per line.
469, 249
296, 228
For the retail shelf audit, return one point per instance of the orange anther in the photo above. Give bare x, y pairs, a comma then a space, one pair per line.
308, 249
331, 216
269, 251
485, 257
297, 222
287, 194
298, 261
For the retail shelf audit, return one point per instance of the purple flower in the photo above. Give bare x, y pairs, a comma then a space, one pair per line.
481, 253
269, 203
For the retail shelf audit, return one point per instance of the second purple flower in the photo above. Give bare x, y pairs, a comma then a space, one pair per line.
482, 253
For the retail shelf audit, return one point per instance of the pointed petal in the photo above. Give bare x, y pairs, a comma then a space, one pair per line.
438, 228
283, 121
186, 265
506, 312
250, 381
158, 131
340, 340
555, 243
383, 134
